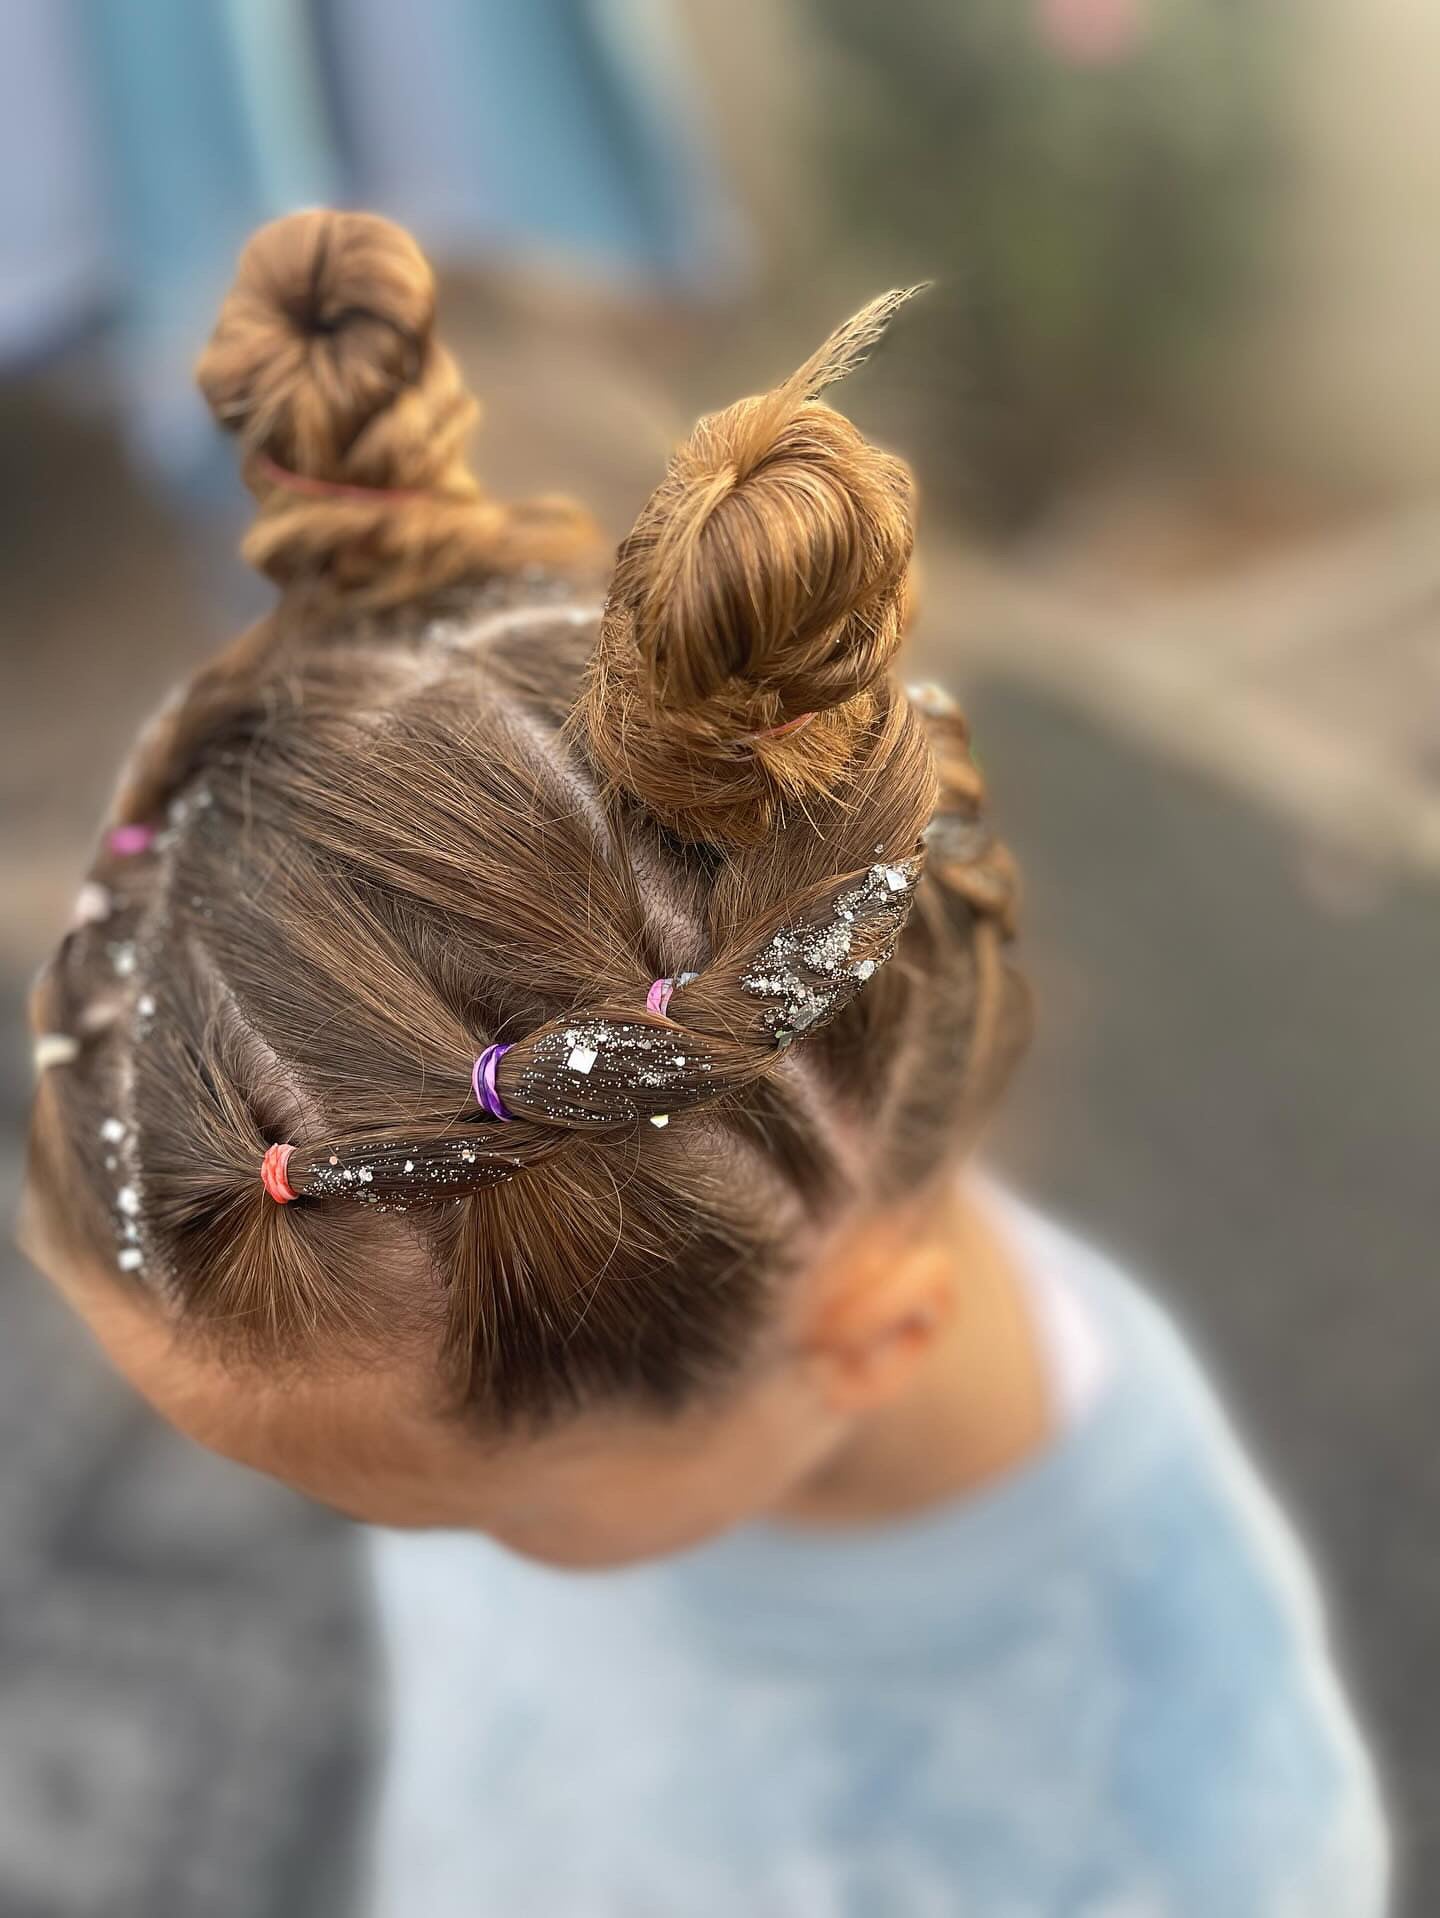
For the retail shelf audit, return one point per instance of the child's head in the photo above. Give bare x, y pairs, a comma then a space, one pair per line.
545, 922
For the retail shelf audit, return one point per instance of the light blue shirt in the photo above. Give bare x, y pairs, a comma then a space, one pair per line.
1099, 1689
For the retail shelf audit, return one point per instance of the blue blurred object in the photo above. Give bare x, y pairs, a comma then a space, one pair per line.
213, 121
164, 132
567, 127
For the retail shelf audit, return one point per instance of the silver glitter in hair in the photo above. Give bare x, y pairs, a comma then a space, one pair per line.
125, 1160
807, 974
958, 840
618, 1069
93, 904
397, 1175
932, 700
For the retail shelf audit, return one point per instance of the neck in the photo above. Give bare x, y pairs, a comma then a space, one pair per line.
976, 1408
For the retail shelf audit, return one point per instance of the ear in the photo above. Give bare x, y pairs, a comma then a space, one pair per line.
882, 1309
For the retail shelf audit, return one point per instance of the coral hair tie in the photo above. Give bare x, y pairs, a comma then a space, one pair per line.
272, 1174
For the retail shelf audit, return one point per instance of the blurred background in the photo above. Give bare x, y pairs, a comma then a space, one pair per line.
1174, 401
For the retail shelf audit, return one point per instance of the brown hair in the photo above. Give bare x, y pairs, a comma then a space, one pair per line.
442, 799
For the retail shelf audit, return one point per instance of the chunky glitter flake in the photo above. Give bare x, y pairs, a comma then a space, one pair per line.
932, 700
93, 905
54, 1049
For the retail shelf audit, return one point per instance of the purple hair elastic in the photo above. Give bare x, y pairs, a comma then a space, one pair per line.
482, 1080
129, 840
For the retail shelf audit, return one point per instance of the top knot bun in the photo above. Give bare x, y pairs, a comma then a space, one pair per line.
326, 329
353, 419
764, 582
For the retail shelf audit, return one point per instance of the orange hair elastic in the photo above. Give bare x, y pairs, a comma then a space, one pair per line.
272, 1174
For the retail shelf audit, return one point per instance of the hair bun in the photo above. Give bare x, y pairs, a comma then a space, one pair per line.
328, 327
765, 579
354, 419
777, 566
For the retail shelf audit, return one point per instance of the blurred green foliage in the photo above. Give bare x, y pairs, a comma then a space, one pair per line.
1085, 181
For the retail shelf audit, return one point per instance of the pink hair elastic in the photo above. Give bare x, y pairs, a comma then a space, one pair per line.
482, 1081
126, 841
279, 475
272, 1174
782, 731
658, 998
